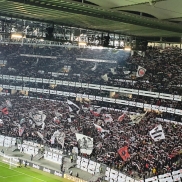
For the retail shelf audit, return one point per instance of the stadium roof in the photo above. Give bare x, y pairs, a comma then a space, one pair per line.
160, 18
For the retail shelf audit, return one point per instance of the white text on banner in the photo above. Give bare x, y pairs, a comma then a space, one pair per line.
109, 88
94, 86
19, 78
39, 90
149, 94
166, 96
11, 77
71, 84
91, 97
52, 81
106, 99
65, 82
46, 80
163, 109
6, 86
58, 82
59, 92
147, 106
45, 91
155, 107
170, 110
66, 93
125, 90
39, 80
177, 97
12, 87
79, 95
178, 111
132, 103
85, 85
52, 91
123, 102
26, 88
32, 79
72, 94
18, 88
98, 98
139, 104
85, 96
26, 78
78, 84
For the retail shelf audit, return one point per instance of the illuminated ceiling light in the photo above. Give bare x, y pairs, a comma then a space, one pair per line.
16, 36
82, 43
127, 48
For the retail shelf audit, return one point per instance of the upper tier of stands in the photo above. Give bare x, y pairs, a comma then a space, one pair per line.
163, 67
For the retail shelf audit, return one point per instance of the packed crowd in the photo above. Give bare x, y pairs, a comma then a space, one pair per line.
147, 158
163, 68
78, 90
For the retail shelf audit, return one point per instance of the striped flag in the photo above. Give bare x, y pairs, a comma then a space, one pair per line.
157, 133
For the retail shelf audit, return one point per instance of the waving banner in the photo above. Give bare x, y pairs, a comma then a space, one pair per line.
157, 133
38, 117
60, 136
85, 143
123, 152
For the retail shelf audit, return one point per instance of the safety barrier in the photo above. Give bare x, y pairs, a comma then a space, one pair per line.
86, 85
7, 141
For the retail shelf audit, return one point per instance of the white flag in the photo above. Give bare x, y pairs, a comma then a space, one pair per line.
140, 71
60, 136
38, 117
85, 143
94, 68
113, 71
157, 133
104, 77
137, 118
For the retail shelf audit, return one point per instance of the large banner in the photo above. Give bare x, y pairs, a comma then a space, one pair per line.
157, 133
60, 136
85, 143
38, 117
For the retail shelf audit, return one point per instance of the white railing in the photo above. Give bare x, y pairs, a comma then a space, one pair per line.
98, 98
95, 86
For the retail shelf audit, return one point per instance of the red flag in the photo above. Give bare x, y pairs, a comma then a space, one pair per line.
5, 111
120, 118
123, 152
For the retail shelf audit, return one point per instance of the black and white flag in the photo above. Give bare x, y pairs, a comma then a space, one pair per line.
85, 143
157, 133
73, 107
60, 136
38, 117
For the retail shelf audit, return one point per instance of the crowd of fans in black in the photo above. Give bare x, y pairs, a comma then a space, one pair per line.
163, 68
146, 156
163, 75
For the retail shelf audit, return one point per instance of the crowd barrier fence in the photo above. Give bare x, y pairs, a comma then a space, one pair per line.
92, 86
